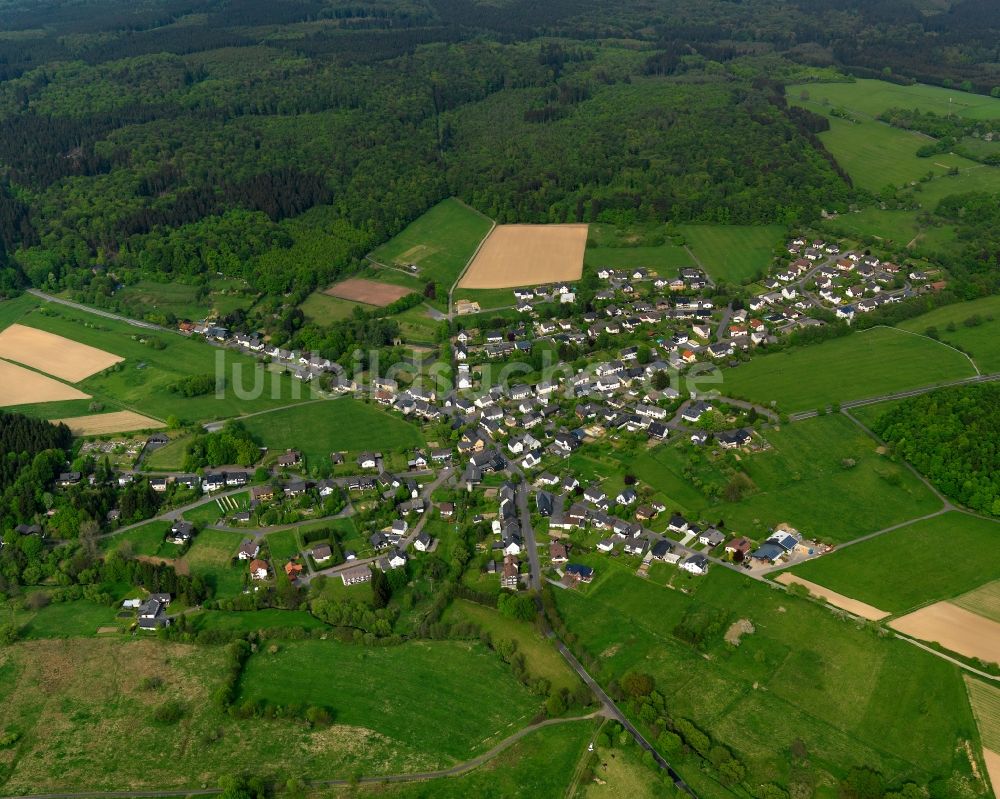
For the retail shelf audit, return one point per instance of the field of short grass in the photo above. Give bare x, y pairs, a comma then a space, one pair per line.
924, 562
79, 704
209, 557
284, 545
664, 259
343, 424
984, 601
144, 379
324, 310
80, 618
253, 620
872, 97
419, 693
976, 329
734, 253
169, 457
986, 706
210, 512
182, 300
804, 674
868, 363
144, 540
440, 243
540, 655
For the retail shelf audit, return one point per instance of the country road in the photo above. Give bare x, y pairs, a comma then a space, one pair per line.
98, 312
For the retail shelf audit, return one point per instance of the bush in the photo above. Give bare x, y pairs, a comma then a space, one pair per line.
170, 712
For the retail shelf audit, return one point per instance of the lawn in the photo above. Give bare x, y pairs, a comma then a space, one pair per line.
253, 620
284, 545
209, 557
147, 539
80, 704
868, 363
142, 381
734, 253
980, 338
81, 618
343, 424
907, 568
541, 657
440, 243
804, 674
664, 259
169, 457
210, 512
416, 693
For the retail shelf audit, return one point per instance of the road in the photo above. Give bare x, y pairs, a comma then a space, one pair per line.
98, 312
420, 776
535, 573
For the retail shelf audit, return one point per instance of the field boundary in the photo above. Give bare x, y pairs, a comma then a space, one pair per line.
451, 291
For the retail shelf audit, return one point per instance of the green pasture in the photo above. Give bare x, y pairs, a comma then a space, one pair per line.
734, 253
972, 326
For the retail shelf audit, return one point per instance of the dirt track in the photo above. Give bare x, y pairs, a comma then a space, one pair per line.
52, 354
527, 255
954, 628
854, 606
20, 386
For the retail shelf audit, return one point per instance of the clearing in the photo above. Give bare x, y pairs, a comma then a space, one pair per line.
861, 609
23, 387
897, 572
954, 628
439, 243
734, 253
868, 363
52, 354
116, 422
527, 255
368, 292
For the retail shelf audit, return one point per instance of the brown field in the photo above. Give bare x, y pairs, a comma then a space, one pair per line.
19, 386
953, 628
55, 355
984, 601
367, 291
527, 255
117, 422
862, 609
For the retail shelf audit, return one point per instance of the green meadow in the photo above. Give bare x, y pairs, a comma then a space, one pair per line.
803, 675
440, 242
417, 693
872, 97
734, 253
343, 424
864, 364
324, 310
924, 562
972, 326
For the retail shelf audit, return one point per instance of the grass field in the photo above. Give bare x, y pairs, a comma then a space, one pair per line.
416, 693
541, 657
284, 546
440, 242
986, 706
802, 675
868, 363
734, 253
182, 300
324, 309
144, 540
209, 557
81, 618
343, 424
210, 512
876, 154
142, 382
907, 568
253, 620
79, 705
664, 259
984, 601
981, 341
168, 458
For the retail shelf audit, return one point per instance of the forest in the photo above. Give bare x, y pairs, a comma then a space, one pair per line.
951, 435
175, 140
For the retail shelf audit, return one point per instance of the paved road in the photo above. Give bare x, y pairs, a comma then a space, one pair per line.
535, 573
98, 312
454, 771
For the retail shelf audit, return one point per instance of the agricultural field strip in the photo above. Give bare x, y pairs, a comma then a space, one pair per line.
954, 628
114, 422
53, 354
23, 386
854, 606
523, 255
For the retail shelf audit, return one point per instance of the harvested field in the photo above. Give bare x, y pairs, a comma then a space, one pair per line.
117, 422
367, 291
55, 355
22, 387
954, 628
862, 609
527, 255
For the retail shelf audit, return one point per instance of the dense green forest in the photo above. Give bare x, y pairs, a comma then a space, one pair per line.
952, 436
279, 142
